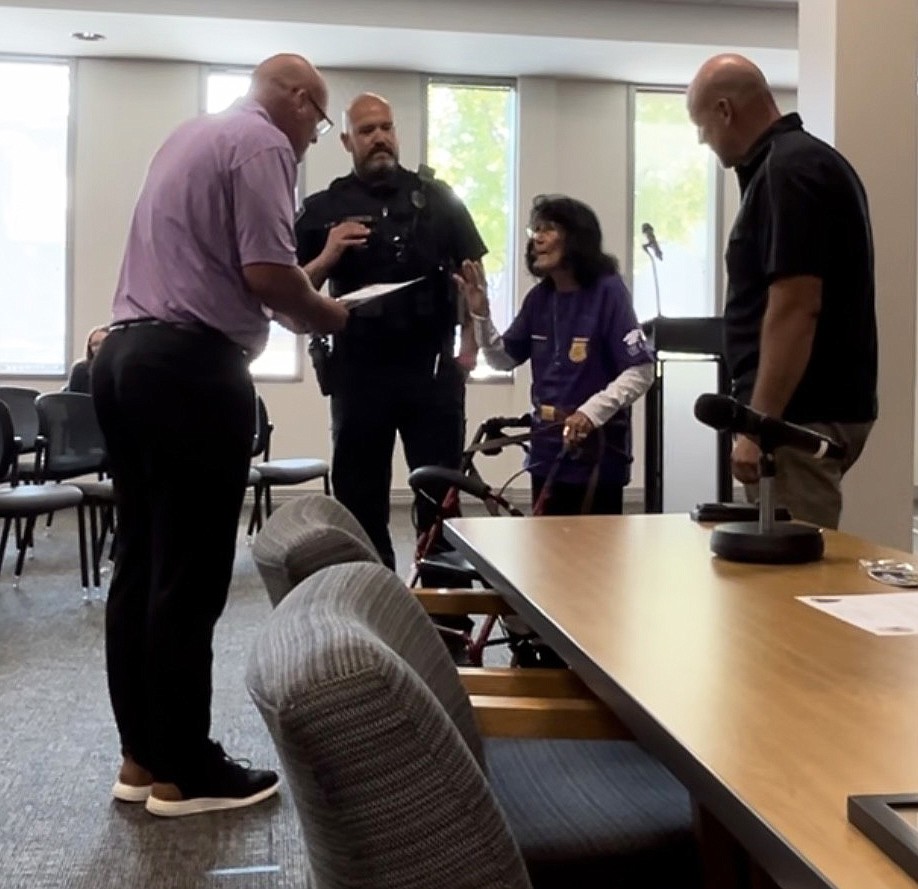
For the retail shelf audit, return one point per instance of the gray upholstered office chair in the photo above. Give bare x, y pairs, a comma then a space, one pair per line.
304, 535
392, 782
394, 786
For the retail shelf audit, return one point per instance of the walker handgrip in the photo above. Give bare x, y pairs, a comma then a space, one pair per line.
495, 425
426, 478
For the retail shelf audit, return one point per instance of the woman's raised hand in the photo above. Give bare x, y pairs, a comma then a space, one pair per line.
473, 287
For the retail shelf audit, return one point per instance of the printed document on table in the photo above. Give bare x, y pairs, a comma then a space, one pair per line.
371, 291
883, 614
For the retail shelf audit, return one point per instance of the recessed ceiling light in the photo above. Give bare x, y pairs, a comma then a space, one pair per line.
89, 36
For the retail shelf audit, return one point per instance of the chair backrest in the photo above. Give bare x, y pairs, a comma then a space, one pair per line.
21, 404
74, 444
303, 536
377, 739
262, 441
7, 446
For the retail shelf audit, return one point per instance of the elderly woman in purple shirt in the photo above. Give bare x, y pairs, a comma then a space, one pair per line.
589, 358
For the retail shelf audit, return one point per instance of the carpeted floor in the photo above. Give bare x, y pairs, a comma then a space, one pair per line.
59, 826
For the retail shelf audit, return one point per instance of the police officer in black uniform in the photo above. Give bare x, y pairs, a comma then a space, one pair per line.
393, 367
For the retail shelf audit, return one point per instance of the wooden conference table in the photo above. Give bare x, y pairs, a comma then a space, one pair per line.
768, 710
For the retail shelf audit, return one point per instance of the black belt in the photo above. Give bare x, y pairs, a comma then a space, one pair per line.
190, 326
195, 327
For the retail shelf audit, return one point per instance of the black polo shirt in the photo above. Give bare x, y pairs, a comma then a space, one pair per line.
804, 212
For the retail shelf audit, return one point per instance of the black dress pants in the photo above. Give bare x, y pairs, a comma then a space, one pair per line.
177, 410
372, 403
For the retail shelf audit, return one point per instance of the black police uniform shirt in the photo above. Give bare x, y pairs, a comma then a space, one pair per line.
804, 212
419, 228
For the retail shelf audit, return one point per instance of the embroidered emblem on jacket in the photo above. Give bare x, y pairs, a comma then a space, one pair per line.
635, 341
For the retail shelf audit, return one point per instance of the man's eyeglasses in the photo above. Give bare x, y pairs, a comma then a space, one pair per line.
325, 122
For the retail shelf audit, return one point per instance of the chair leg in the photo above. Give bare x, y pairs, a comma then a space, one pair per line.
255, 517
268, 507
326, 483
84, 571
113, 527
95, 546
30, 538
23, 546
48, 524
107, 526
4, 534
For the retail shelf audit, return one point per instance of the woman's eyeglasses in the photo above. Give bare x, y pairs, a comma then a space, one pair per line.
540, 228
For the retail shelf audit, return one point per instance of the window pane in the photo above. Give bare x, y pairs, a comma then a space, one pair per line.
281, 357
223, 88
673, 191
471, 145
34, 114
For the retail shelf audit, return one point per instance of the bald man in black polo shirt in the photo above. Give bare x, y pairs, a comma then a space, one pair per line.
801, 333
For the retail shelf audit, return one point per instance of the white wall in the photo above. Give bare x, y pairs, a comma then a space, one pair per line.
121, 111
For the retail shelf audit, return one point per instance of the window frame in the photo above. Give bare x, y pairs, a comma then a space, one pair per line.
69, 214
484, 375
299, 370
716, 221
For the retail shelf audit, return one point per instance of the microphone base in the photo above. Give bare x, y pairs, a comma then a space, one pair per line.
786, 544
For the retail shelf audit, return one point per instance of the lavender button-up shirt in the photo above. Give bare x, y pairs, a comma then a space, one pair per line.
219, 195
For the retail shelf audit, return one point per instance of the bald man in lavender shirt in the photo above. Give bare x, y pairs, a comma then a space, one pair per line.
210, 256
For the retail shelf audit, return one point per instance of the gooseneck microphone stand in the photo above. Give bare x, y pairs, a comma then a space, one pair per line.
767, 541
656, 281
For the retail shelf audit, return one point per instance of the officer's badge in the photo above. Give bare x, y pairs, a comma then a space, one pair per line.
635, 341
578, 351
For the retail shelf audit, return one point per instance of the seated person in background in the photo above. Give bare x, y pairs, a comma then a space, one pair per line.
79, 373
590, 360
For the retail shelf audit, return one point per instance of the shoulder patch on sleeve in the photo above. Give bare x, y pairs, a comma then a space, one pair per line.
635, 341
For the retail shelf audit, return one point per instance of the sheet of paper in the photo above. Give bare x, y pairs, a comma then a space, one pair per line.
883, 614
371, 291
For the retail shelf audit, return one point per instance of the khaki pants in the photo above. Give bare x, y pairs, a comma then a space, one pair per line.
811, 488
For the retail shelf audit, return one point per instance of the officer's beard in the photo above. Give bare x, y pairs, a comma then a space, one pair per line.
379, 170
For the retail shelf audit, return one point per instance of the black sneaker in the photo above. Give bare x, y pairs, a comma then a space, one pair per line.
220, 783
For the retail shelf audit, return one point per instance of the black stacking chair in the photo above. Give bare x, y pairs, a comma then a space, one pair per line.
21, 404
73, 446
28, 502
286, 471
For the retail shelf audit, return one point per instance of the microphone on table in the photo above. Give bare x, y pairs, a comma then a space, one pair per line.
727, 415
765, 541
652, 243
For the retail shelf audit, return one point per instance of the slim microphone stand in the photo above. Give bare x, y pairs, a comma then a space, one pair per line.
656, 281
767, 541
